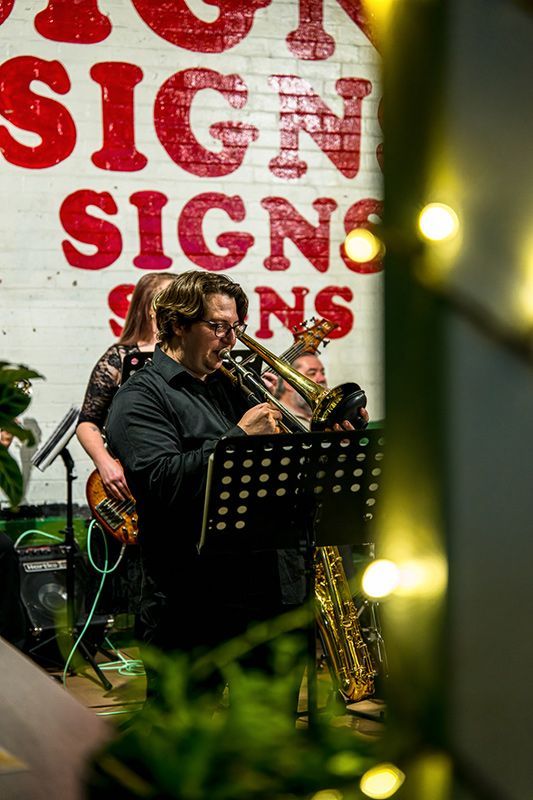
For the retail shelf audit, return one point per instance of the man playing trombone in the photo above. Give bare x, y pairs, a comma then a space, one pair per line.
163, 425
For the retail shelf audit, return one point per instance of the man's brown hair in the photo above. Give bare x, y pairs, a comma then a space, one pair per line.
182, 302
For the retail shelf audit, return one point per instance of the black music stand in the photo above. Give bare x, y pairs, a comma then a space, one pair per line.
314, 482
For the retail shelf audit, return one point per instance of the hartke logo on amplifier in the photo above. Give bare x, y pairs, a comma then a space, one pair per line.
44, 566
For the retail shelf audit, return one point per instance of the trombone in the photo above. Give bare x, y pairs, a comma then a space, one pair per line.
329, 406
260, 393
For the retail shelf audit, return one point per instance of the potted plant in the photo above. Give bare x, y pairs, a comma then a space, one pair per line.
14, 399
182, 746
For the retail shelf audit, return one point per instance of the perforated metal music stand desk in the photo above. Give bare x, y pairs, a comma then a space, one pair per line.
305, 491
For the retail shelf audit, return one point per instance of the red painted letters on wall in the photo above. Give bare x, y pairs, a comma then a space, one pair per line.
286, 222
84, 25
173, 125
118, 152
94, 231
29, 111
301, 111
151, 255
191, 235
176, 23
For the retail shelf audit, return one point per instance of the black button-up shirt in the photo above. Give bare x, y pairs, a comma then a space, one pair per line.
163, 425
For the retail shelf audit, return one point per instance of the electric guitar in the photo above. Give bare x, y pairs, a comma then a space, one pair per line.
119, 517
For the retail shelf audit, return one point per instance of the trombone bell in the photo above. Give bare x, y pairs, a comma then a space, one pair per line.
342, 402
329, 406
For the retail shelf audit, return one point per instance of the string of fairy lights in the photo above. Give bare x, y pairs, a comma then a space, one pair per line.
436, 223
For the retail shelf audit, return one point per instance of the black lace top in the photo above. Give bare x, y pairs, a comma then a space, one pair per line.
103, 384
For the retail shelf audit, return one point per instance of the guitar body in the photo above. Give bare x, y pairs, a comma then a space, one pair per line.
117, 517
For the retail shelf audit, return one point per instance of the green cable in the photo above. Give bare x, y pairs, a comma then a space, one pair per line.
114, 713
40, 533
126, 667
90, 615
103, 571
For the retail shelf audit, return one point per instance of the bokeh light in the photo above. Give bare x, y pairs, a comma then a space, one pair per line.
523, 290
381, 781
412, 577
361, 245
380, 578
423, 576
438, 222
380, 15
327, 794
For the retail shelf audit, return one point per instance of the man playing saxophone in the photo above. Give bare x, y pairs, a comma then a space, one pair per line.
347, 655
163, 425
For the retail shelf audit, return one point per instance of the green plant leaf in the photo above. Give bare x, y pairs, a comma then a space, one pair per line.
17, 372
15, 397
12, 402
10, 477
17, 430
188, 746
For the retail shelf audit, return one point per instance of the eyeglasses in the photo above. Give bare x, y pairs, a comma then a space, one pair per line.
221, 329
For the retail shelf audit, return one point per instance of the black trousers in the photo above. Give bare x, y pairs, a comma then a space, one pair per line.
260, 657
211, 600
13, 625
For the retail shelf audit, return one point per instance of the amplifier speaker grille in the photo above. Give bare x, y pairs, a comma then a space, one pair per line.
43, 591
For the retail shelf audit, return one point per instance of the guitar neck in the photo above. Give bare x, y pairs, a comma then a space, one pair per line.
290, 354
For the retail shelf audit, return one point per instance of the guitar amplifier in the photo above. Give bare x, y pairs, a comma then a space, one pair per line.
43, 591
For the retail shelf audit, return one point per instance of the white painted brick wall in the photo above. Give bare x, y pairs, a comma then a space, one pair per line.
55, 317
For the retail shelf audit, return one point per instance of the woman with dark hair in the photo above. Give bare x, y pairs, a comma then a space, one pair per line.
139, 335
127, 591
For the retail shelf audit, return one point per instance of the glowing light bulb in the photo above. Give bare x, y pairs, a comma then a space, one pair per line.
381, 781
380, 578
361, 245
438, 222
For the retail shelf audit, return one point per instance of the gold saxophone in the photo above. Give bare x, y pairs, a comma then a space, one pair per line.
338, 622
351, 664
